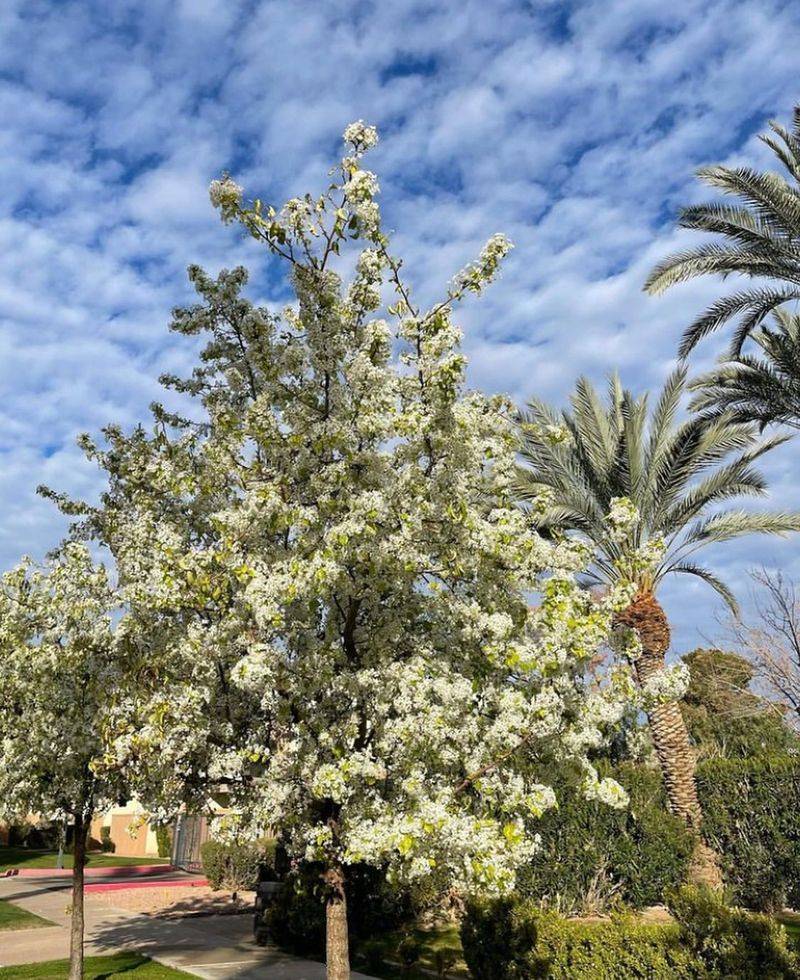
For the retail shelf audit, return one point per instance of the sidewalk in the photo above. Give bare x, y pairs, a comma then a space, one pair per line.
218, 947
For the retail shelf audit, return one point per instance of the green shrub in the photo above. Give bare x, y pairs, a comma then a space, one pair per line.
107, 846
235, 866
751, 817
296, 919
522, 942
164, 841
593, 854
519, 941
730, 942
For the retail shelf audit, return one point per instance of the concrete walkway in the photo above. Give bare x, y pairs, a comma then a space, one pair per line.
217, 947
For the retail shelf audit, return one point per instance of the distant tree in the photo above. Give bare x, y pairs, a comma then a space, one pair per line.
771, 638
60, 685
645, 490
758, 237
761, 387
724, 716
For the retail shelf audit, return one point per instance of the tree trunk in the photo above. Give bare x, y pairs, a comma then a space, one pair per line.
668, 729
337, 953
80, 829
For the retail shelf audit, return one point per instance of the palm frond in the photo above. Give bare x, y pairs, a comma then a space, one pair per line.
674, 472
716, 583
758, 236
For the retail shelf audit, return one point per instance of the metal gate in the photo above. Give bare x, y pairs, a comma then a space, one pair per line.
191, 832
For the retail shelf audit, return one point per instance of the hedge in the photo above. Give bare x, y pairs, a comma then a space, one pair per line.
751, 817
592, 853
518, 941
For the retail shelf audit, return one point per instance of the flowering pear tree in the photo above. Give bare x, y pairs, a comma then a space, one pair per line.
330, 578
58, 695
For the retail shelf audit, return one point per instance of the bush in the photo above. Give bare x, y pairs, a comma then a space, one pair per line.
751, 817
519, 941
236, 866
730, 942
164, 841
593, 854
107, 846
296, 919
522, 942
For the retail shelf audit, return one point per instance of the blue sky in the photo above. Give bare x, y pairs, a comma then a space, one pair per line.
572, 127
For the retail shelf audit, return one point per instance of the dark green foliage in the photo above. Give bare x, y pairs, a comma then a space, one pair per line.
235, 867
708, 942
296, 919
763, 386
756, 236
409, 950
752, 819
520, 942
501, 940
724, 717
592, 854
164, 841
730, 942
444, 960
107, 846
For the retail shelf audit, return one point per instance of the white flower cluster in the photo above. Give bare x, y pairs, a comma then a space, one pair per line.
476, 276
226, 197
360, 136
622, 518
669, 684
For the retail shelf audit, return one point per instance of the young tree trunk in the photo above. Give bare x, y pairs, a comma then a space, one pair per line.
668, 729
337, 953
80, 828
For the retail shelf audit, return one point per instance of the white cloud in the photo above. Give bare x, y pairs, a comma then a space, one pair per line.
574, 128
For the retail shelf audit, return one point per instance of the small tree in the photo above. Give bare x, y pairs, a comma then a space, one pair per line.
331, 578
724, 716
58, 684
770, 639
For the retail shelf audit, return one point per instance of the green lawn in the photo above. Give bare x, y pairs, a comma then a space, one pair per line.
26, 857
127, 966
13, 917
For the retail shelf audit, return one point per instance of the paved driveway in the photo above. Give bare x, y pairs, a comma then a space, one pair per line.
217, 947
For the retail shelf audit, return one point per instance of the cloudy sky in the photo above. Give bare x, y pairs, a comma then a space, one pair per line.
572, 127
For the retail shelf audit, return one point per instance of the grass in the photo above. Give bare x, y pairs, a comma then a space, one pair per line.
431, 940
14, 917
127, 966
791, 922
27, 857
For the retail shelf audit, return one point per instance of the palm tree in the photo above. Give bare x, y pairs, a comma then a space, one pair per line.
761, 388
679, 475
760, 239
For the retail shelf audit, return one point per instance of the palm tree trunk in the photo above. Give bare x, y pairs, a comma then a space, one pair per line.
337, 951
674, 750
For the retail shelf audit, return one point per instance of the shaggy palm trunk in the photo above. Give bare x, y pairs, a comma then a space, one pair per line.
80, 829
668, 729
337, 953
